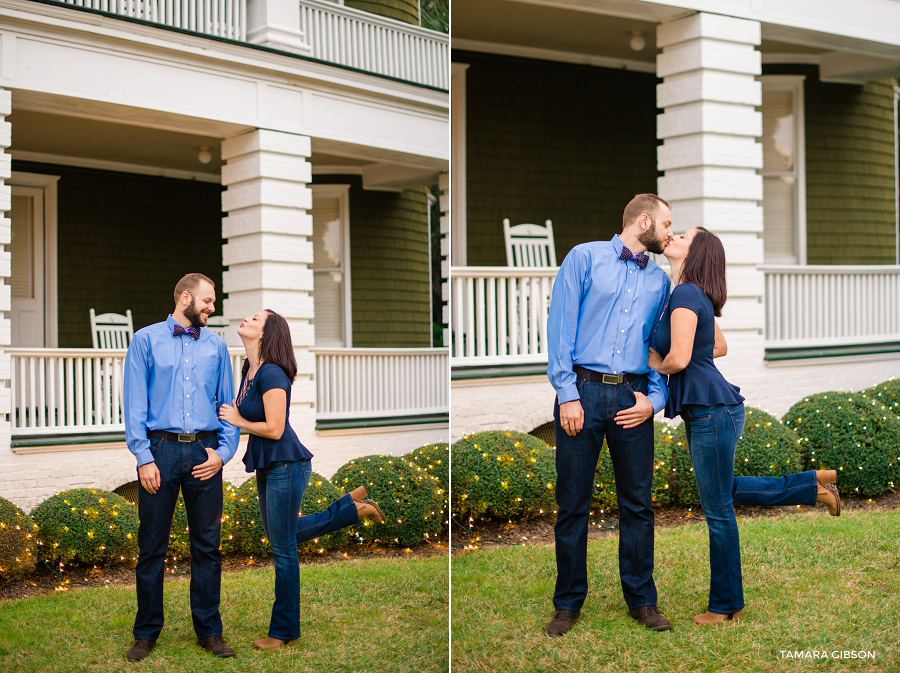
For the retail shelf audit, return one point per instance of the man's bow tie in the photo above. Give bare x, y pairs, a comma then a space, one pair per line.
193, 331
640, 259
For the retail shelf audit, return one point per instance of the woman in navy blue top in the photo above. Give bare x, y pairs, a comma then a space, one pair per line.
282, 466
685, 343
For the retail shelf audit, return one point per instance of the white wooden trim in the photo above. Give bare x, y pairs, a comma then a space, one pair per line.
48, 183
794, 84
342, 194
458, 242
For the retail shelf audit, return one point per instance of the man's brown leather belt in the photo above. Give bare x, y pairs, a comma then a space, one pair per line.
612, 379
181, 437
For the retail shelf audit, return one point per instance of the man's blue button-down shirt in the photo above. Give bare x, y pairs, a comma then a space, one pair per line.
177, 384
602, 312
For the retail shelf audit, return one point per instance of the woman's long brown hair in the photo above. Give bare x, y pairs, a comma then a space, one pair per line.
704, 266
275, 346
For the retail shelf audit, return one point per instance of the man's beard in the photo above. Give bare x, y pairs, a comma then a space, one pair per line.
651, 240
197, 318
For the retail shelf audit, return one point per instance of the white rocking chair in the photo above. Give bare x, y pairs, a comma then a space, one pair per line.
111, 330
529, 245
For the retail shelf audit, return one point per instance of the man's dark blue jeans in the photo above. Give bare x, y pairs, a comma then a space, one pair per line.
631, 451
203, 502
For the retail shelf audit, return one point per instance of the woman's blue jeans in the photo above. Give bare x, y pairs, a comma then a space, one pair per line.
712, 435
281, 486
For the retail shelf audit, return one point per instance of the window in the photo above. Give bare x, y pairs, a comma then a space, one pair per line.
331, 265
784, 169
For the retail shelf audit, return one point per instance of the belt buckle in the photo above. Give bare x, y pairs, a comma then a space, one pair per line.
611, 379
186, 438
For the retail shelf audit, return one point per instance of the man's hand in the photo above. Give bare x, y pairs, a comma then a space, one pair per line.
634, 416
571, 417
148, 474
208, 470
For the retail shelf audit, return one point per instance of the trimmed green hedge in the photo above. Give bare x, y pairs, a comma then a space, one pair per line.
17, 557
853, 434
502, 474
887, 394
768, 448
410, 498
319, 495
249, 536
88, 526
434, 458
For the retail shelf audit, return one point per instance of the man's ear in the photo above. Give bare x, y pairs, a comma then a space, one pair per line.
185, 298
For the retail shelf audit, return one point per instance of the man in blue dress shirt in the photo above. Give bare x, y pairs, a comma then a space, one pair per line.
176, 377
606, 300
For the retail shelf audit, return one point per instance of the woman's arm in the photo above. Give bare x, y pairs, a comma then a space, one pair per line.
275, 405
720, 347
684, 327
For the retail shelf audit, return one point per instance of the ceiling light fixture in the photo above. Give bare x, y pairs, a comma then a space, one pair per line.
205, 156
637, 41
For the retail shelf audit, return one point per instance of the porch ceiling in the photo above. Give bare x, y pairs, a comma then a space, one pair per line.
52, 138
533, 26
598, 31
59, 139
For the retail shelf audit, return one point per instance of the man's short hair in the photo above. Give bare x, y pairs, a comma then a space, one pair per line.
189, 284
642, 203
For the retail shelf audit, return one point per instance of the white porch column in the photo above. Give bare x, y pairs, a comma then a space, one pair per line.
269, 252
444, 186
5, 267
276, 24
710, 156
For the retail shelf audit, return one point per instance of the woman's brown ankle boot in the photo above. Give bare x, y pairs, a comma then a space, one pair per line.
359, 493
708, 618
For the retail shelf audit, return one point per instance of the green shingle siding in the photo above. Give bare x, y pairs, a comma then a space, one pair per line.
556, 141
124, 240
850, 164
389, 265
402, 10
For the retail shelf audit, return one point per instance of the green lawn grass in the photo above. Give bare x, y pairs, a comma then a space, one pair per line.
811, 583
361, 615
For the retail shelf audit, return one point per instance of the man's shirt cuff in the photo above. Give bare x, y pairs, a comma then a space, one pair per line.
144, 456
658, 401
568, 394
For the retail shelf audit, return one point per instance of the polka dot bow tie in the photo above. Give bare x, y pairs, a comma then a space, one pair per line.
640, 259
194, 332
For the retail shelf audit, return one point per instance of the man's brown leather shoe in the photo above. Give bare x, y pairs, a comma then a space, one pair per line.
216, 645
562, 622
140, 649
649, 616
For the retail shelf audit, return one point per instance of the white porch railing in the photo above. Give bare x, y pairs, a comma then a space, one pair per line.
77, 390
222, 18
372, 43
499, 314
80, 390
831, 305
381, 382
72, 391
